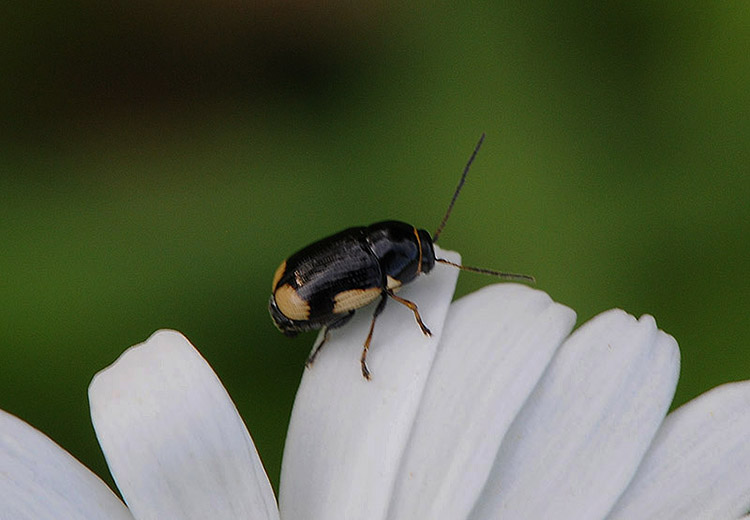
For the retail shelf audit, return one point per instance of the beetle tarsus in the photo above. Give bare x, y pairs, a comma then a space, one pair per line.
365, 370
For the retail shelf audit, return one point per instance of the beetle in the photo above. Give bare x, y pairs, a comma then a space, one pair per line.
323, 284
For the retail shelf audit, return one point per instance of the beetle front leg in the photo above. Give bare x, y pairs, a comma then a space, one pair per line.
363, 359
413, 307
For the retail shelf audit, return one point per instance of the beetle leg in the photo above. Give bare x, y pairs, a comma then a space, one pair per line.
363, 359
413, 307
316, 348
327, 334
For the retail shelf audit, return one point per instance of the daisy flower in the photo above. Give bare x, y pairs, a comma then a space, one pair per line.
502, 413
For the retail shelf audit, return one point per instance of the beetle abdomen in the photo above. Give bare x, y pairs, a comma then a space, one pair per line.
328, 278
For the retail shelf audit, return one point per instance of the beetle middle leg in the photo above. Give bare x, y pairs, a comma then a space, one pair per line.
413, 307
381, 305
363, 359
327, 334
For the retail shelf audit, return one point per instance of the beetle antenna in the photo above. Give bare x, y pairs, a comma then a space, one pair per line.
458, 190
481, 270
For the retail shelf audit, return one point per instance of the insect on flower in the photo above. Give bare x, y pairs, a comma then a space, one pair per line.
322, 285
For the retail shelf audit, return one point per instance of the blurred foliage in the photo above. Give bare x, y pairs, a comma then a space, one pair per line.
159, 161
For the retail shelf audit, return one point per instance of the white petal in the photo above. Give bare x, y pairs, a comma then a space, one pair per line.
578, 441
346, 434
699, 464
41, 481
495, 346
174, 441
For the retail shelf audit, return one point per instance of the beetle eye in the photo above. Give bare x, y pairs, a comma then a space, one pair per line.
428, 251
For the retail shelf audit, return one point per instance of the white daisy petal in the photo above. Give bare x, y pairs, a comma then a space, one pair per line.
41, 481
174, 441
495, 346
699, 464
347, 435
578, 440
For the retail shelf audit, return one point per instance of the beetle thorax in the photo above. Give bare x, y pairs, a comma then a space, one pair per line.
402, 250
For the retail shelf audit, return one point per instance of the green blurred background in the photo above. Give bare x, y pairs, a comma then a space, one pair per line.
159, 161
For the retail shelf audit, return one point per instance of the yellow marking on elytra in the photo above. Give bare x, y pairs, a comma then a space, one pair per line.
290, 304
352, 299
392, 283
278, 274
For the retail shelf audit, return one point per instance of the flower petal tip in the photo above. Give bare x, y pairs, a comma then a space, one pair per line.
161, 340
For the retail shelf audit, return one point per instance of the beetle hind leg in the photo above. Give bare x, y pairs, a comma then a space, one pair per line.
413, 306
316, 348
327, 334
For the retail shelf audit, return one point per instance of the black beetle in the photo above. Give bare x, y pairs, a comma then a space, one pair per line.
322, 285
